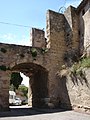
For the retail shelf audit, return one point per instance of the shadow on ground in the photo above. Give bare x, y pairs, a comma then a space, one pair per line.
16, 112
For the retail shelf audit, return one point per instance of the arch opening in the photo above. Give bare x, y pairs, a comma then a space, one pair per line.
38, 83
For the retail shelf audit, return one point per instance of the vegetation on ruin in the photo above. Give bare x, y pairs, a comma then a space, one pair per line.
79, 66
76, 69
3, 50
4, 68
44, 50
34, 52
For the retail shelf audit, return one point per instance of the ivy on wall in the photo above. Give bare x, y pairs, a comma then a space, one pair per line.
34, 52
3, 50
44, 50
4, 68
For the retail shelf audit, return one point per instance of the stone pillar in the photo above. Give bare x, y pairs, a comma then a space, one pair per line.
72, 28
56, 43
38, 38
4, 90
30, 94
55, 30
86, 18
72, 52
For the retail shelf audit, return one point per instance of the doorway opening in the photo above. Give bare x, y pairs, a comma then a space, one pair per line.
18, 89
38, 83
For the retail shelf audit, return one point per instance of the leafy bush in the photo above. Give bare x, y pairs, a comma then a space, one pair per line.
3, 50
44, 50
34, 52
24, 90
85, 62
3, 68
77, 67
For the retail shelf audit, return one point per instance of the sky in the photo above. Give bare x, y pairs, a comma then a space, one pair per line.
25, 80
28, 13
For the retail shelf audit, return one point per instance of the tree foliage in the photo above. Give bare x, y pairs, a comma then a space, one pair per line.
23, 89
16, 79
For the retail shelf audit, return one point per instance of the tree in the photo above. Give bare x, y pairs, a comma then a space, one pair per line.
16, 79
23, 89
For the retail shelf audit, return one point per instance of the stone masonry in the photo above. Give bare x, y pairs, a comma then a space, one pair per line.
45, 58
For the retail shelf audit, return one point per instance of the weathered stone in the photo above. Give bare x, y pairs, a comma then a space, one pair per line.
42, 61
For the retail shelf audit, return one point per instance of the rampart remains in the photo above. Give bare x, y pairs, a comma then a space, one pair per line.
67, 39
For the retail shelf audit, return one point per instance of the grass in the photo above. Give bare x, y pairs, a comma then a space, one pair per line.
77, 67
85, 62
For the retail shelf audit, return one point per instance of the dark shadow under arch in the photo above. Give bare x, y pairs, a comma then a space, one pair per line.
38, 82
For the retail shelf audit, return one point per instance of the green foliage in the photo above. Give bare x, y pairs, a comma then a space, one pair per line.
77, 67
85, 62
11, 87
44, 50
16, 79
34, 52
3, 68
3, 50
24, 90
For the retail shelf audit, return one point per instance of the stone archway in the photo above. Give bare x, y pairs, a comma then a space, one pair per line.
38, 82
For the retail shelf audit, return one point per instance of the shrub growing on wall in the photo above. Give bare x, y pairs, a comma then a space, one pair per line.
34, 52
3, 50
3, 68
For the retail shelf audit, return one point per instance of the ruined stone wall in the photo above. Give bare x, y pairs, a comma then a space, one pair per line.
81, 10
75, 89
86, 18
63, 34
4, 90
63, 39
12, 56
71, 35
56, 39
38, 38
79, 91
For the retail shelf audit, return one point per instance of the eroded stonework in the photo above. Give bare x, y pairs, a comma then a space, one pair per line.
66, 42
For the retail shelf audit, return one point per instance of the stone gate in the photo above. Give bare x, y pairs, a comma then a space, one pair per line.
44, 59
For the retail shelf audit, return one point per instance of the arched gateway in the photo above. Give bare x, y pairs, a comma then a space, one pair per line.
38, 82
31, 62
43, 61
